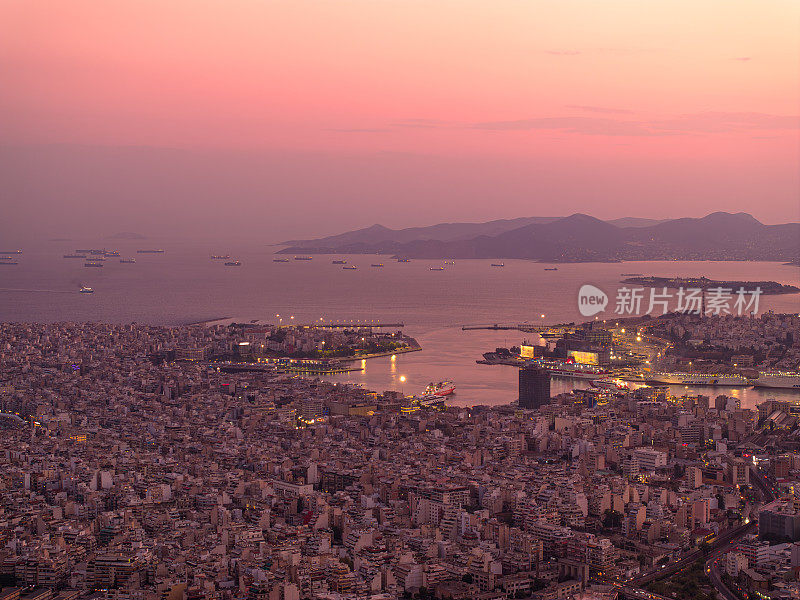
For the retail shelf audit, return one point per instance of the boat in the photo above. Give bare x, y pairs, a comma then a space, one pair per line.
86, 290
701, 379
127, 261
498, 264
233, 263
93, 264
778, 379
65, 256
303, 257
159, 251
403, 260
562, 368
441, 389
551, 268
376, 265
437, 268
339, 262
220, 256
280, 260
429, 401
350, 267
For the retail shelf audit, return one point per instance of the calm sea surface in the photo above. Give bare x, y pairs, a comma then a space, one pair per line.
183, 285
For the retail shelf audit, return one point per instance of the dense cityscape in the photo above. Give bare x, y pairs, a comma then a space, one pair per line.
134, 466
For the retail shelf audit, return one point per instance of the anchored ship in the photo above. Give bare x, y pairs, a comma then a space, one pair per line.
441, 389
701, 379
570, 369
778, 379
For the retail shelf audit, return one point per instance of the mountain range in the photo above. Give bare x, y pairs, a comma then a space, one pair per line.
576, 238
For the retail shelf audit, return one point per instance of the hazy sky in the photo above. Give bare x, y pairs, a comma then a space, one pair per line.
292, 118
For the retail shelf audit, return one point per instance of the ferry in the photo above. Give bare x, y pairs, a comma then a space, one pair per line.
778, 379
350, 267
376, 265
65, 256
86, 290
303, 257
233, 263
441, 389
610, 384
437, 268
339, 262
560, 368
429, 401
93, 264
127, 261
220, 256
498, 264
701, 379
280, 260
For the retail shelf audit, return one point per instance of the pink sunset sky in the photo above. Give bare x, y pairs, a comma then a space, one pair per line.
297, 118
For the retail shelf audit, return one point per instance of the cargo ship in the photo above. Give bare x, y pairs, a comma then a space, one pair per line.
376, 265
233, 263
551, 268
86, 290
339, 262
498, 264
93, 264
128, 261
280, 260
111, 253
74, 256
441, 389
350, 267
303, 257
8, 262
220, 256
778, 379
437, 268
158, 251
403, 260
10, 251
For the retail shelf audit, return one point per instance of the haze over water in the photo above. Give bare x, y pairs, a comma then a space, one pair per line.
183, 285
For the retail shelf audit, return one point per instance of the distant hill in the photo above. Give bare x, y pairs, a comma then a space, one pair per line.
577, 238
127, 235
